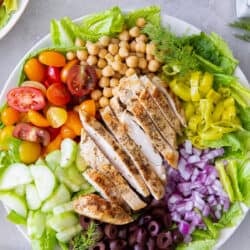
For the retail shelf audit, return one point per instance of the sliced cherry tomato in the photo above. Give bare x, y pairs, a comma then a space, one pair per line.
53, 74
10, 116
73, 122
34, 70
27, 132
24, 99
81, 79
67, 132
53, 132
66, 68
52, 58
58, 94
37, 119
56, 116
89, 107
34, 84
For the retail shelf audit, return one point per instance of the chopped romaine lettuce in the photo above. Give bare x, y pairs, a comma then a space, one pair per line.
207, 244
4, 16
7, 7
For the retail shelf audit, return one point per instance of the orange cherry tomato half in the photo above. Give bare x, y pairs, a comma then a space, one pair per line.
89, 107
52, 58
37, 119
66, 68
73, 122
24, 99
58, 94
67, 132
10, 116
34, 70
81, 79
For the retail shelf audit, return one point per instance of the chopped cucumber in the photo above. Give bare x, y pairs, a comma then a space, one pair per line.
16, 218
40, 161
68, 150
75, 176
20, 190
14, 175
46, 242
53, 159
60, 196
32, 197
61, 222
81, 164
44, 180
36, 224
14, 202
66, 207
69, 233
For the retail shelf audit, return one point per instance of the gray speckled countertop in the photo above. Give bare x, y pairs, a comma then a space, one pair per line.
208, 15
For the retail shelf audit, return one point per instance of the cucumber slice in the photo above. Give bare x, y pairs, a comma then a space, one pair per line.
69, 233
32, 197
20, 190
44, 180
60, 196
53, 159
16, 218
75, 176
16, 174
68, 150
81, 164
36, 224
46, 242
66, 207
61, 222
14, 202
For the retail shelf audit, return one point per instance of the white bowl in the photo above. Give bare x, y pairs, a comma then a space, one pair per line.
179, 27
22, 4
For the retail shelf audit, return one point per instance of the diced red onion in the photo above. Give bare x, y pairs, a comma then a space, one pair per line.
193, 159
184, 228
188, 147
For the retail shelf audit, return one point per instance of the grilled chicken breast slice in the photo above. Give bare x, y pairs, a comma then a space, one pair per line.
95, 207
155, 114
152, 181
113, 151
140, 138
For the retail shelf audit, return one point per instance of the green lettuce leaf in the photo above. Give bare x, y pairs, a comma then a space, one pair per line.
4, 16
207, 244
244, 181
150, 13
244, 115
10, 5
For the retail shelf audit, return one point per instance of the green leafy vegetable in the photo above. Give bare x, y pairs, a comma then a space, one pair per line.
7, 7
244, 181
4, 16
85, 239
151, 14
10, 5
244, 37
207, 244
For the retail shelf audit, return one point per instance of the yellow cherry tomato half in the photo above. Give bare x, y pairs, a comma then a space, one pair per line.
37, 119
34, 70
56, 116
89, 107
5, 135
29, 152
52, 58
66, 69
10, 116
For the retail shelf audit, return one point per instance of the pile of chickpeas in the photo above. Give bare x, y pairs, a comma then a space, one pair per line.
115, 58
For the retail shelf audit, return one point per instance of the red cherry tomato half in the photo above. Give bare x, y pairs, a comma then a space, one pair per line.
24, 99
53, 132
53, 74
81, 80
58, 94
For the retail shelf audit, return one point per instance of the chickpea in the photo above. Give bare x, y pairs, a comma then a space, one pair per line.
123, 52
132, 61
123, 69
79, 42
140, 22
104, 41
114, 82
149, 57
150, 48
92, 60
92, 48
98, 73
83, 63
96, 94
130, 72
115, 91
140, 55
134, 31
102, 53
107, 92
124, 35
113, 48
70, 55
117, 58
108, 71
101, 63
142, 64
153, 65
109, 58
104, 82
123, 44
132, 46
104, 102
140, 47
116, 65
141, 38
117, 75
115, 40
82, 55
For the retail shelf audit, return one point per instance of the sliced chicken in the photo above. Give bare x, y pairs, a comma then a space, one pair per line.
95, 207
152, 181
103, 165
142, 118
140, 138
103, 185
114, 152
124, 190
172, 99
156, 116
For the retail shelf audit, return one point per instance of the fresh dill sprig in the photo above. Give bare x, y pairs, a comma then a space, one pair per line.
243, 24
244, 37
86, 239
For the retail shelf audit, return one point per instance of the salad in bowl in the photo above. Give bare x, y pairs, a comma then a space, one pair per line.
124, 133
